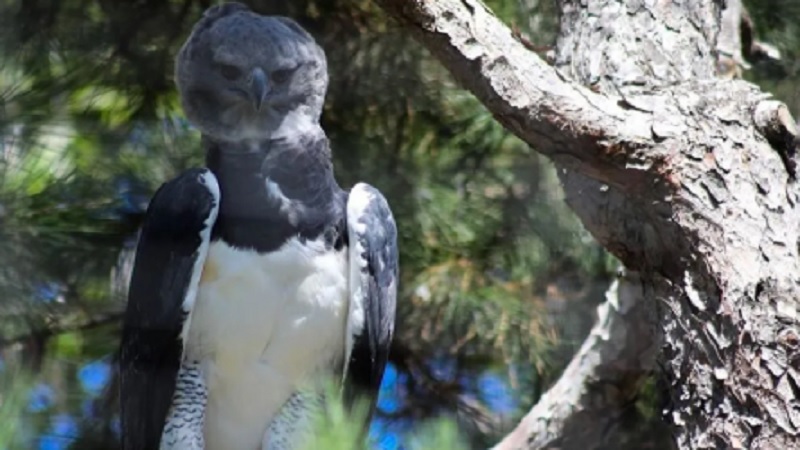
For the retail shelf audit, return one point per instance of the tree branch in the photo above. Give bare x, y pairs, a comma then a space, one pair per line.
579, 129
55, 330
602, 379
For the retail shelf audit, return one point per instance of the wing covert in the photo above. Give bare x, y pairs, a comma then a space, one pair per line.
172, 248
372, 237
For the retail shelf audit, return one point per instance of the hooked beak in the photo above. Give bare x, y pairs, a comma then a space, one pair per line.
259, 87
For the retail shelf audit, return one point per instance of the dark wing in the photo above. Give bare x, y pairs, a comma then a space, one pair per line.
373, 292
169, 260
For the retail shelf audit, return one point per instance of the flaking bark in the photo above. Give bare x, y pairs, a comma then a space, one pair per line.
686, 177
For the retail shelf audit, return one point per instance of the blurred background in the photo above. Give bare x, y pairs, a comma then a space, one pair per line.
499, 280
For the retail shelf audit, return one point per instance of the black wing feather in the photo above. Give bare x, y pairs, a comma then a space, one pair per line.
168, 253
373, 232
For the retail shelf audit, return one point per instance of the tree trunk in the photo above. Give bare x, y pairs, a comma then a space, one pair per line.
688, 178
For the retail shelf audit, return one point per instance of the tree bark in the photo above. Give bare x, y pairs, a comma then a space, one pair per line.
686, 177
583, 407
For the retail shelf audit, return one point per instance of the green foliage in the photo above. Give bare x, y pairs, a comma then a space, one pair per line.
13, 389
338, 428
335, 427
438, 434
87, 102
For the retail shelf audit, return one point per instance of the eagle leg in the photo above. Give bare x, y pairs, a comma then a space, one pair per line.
184, 427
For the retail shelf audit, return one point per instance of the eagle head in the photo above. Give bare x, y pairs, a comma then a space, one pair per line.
245, 76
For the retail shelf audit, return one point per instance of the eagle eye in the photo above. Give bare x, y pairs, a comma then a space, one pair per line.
230, 72
282, 75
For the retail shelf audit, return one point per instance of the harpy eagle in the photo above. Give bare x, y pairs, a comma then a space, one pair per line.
257, 277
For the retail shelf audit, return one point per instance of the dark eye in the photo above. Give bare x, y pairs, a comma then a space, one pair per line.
230, 72
282, 75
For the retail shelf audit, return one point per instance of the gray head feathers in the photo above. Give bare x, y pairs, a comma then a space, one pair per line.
245, 76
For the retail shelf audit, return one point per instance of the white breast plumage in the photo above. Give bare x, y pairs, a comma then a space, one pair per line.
262, 324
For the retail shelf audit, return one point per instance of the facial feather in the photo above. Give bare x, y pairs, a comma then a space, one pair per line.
215, 72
